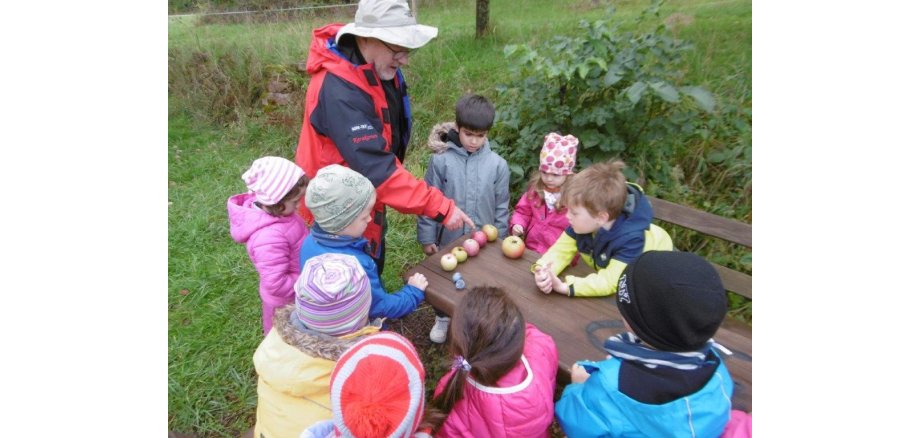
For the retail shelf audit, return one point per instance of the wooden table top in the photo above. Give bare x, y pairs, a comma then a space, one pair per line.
579, 326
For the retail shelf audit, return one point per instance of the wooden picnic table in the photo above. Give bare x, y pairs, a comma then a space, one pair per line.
578, 325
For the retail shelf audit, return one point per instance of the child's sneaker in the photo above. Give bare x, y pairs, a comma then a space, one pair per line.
439, 331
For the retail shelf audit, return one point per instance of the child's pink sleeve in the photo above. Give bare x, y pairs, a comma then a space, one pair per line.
523, 212
271, 256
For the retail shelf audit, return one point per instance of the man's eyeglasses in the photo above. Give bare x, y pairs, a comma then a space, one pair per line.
397, 54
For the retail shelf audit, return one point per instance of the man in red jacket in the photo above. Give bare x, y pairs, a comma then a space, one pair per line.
357, 113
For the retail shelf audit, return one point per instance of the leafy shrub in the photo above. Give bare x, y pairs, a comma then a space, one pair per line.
620, 93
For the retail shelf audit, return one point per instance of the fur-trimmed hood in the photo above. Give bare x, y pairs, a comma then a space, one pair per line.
437, 139
314, 343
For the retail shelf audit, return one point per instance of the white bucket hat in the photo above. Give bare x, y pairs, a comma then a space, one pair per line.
389, 21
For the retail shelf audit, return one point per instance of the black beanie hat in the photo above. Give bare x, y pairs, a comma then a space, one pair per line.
674, 301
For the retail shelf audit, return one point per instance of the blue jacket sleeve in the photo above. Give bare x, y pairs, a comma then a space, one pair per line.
577, 412
390, 305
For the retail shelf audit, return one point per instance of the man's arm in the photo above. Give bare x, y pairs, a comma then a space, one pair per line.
346, 115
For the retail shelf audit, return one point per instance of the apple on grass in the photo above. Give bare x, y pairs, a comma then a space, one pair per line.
448, 262
491, 232
513, 247
471, 246
459, 253
480, 237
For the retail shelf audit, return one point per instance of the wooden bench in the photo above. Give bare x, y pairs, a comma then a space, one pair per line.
580, 325
735, 335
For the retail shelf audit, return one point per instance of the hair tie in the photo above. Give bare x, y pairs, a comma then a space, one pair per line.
460, 362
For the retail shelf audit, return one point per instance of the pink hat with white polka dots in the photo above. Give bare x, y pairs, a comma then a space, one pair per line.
558, 154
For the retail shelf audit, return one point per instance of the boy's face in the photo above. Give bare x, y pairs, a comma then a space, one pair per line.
581, 220
356, 227
472, 140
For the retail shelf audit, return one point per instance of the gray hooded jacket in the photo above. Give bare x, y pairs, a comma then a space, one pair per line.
477, 182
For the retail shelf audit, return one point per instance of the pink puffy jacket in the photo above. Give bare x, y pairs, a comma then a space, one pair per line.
520, 405
541, 227
273, 244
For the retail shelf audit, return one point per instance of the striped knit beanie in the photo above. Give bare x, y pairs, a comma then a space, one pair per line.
270, 178
333, 294
558, 154
378, 388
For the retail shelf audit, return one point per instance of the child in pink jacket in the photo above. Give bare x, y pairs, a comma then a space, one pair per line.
537, 217
503, 376
264, 220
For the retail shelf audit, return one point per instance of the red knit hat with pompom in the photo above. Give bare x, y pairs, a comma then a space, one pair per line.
378, 388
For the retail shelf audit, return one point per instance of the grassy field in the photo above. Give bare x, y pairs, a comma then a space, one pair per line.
217, 128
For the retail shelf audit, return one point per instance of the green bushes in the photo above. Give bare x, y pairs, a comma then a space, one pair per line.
624, 94
621, 93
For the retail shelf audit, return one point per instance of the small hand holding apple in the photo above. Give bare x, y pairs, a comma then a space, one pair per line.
547, 281
542, 278
579, 375
418, 280
517, 230
558, 285
430, 248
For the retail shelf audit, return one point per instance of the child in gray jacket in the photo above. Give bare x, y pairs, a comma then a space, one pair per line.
465, 168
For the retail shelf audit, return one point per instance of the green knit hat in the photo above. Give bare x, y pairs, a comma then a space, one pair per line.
336, 196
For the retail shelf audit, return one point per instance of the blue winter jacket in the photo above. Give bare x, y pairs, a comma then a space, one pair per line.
597, 408
383, 304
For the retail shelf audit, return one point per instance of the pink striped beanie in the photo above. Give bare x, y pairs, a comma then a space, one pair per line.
333, 294
270, 178
558, 154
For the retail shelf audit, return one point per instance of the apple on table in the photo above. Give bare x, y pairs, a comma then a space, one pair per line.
491, 232
480, 237
448, 262
513, 247
459, 253
471, 246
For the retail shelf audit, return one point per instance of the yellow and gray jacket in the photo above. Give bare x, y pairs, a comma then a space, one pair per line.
294, 365
609, 251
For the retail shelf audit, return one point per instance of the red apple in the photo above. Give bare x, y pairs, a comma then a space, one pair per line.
491, 232
471, 246
448, 262
513, 247
459, 253
480, 237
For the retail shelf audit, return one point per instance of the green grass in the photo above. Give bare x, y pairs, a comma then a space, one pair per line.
214, 307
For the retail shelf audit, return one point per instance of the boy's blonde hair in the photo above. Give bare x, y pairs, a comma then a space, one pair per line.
599, 188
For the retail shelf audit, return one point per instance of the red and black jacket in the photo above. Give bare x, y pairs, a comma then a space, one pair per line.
347, 121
